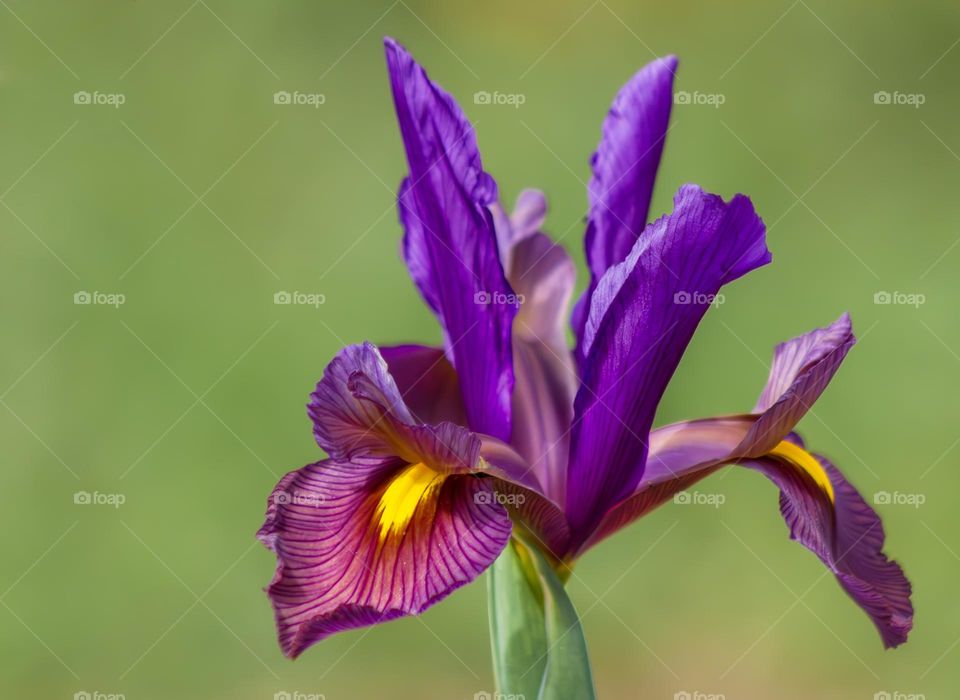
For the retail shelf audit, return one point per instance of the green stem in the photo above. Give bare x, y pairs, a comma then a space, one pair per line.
539, 651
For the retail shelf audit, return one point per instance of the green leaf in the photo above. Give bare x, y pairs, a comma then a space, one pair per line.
539, 652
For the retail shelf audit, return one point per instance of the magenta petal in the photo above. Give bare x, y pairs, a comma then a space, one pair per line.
335, 571
451, 244
642, 316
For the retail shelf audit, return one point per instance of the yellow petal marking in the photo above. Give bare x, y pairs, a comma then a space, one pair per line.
802, 460
400, 499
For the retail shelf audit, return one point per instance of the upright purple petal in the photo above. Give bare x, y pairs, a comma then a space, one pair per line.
543, 275
642, 316
624, 171
450, 242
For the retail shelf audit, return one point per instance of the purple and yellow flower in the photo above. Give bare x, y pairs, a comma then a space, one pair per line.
437, 455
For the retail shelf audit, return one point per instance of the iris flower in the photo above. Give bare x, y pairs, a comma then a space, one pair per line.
436, 455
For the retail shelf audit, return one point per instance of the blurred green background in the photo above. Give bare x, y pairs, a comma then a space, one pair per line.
199, 198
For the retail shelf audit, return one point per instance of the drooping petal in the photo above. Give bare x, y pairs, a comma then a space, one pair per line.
823, 510
847, 535
642, 316
685, 452
361, 544
624, 170
450, 242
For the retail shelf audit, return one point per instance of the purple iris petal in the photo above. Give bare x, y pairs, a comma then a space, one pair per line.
427, 382
435, 453
335, 571
823, 510
642, 315
848, 537
624, 170
802, 368
450, 243
394, 521
543, 276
